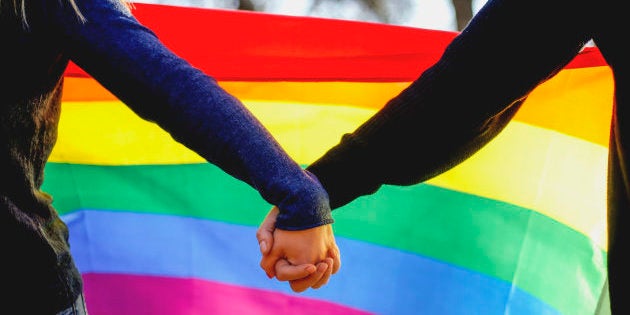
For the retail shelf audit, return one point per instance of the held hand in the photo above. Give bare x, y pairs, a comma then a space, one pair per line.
290, 255
285, 271
264, 234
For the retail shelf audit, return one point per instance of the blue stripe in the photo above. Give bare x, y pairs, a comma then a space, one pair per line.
372, 278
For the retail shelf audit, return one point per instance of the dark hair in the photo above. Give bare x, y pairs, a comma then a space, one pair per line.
19, 8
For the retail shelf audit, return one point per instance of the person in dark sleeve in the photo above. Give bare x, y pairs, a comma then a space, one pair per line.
468, 96
40, 38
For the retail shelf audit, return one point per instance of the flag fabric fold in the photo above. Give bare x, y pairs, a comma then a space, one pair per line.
519, 228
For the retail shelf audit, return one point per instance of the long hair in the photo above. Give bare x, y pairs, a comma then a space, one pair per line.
19, 8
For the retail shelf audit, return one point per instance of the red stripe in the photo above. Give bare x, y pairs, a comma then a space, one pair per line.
589, 57
118, 294
253, 46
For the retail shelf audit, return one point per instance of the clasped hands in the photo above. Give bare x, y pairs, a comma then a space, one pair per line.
305, 258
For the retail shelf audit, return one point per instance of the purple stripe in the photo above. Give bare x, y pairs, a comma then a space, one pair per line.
108, 294
372, 279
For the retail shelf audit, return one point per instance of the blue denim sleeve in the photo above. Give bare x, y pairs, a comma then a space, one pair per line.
130, 61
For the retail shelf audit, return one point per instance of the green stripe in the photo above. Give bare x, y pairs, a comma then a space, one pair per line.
536, 253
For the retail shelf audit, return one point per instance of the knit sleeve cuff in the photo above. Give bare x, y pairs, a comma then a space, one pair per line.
307, 209
346, 172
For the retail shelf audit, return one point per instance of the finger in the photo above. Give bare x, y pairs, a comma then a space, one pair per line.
326, 276
268, 262
285, 271
264, 234
265, 240
301, 285
336, 257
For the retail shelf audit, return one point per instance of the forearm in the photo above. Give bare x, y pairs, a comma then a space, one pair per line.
391, 151
200, 114
130, 61
229, 136
459, 104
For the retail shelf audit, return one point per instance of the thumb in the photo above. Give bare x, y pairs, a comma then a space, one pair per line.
264, 234
267, 262
265, 241
285, 271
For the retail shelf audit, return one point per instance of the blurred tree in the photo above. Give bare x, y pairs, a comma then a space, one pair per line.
463, 12
383, 11
392, 12
247, 5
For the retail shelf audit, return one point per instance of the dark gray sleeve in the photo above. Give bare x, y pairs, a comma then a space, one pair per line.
460, 103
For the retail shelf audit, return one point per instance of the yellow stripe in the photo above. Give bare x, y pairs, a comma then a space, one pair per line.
111, 134
577, 102
558, 175
562, 103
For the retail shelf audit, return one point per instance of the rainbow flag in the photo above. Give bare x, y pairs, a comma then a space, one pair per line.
519, 228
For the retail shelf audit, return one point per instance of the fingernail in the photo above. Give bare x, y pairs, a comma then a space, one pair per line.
310, 268
322, 267
263, 246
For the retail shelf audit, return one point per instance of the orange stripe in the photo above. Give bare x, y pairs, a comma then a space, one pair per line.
355, 94
85, 89
562, 103
577, 102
